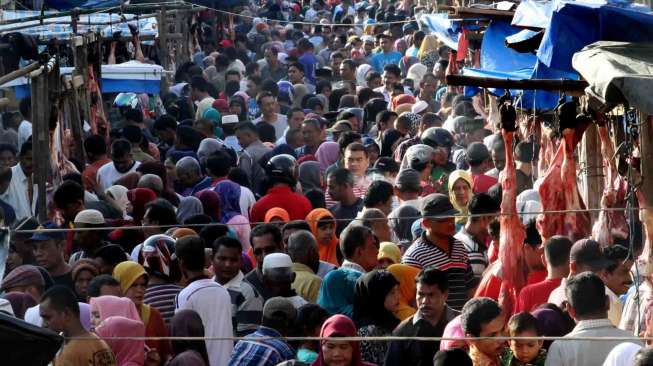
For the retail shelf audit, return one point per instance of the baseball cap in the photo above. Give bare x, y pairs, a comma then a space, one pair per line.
437, 205
419, 155
588, 252
89, 216
341, 126
477, 152
44, 236
276, 306
408, 179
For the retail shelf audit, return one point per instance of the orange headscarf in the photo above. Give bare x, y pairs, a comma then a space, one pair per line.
277, 212
405, 274
328, 251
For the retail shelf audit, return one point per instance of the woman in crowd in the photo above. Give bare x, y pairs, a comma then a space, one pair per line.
460, 192
187, 323
211, 203
128, 352
405, 274
376, 298
339, 353
323, 227
133, 283
337, 292
83, 272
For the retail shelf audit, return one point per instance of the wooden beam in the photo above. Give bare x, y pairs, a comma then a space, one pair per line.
19, 73
464, 12
40, 144
525, 84
163, 50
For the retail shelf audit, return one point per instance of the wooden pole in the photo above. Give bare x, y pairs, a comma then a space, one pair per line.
526, 84
465, 12
591, 161
72, 104
163, 46
18, 73
40, 145
646, 147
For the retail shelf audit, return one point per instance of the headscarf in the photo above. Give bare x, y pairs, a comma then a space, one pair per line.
139, 197
416, 73
401, 99
129, 180
210, 202
390, 136
552, 322
622, 354
20, 302
369, 298
341, 326
429, 44
21, 276
405, 274
414, 119
108, 306
309, 175
453, 329
207, 147
361, 73
85, 315
230, 198
337, 292
119, 195
182, 232
129, 352
187, 323
189, 207
276, 212
127, 273
391, 251
84, 264
403, 108
299, 91
463, 210
327, 154
327, 251
240, 225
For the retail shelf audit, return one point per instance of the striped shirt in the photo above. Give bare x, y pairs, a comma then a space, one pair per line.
246, 305
268, 352
456, 264
162, 298
477, 253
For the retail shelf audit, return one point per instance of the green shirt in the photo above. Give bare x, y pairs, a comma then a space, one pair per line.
509, 359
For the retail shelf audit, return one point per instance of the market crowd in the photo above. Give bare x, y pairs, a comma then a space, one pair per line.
303, 180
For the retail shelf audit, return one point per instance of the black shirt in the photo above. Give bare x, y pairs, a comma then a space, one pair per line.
65, 279
341, 212
417, 353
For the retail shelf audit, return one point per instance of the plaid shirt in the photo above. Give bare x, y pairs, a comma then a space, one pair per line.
269, 352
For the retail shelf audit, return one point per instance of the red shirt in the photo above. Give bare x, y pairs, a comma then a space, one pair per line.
482, 183
536, 277
281, 196
536, 294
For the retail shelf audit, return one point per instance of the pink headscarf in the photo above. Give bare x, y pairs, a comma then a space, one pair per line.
129, 352
453, 330
327, 154
243, 95
109, 306
240, 225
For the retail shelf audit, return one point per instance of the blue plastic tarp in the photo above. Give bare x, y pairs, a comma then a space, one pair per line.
442, 27
575, 25
499, 61
533, 14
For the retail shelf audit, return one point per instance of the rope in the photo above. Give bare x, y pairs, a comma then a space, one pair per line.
107, 228
369, 339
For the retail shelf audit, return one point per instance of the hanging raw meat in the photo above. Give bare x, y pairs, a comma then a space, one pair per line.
559, 190
610, 224
512, 234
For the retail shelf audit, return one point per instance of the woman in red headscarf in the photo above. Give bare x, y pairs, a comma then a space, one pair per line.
333, 352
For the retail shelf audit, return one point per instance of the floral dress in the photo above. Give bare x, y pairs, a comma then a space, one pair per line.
373, 352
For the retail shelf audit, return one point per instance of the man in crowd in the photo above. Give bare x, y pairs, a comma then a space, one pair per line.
360, 248
313, 134
122, 162
588, 305
483, 317
478, 158
21, 193
265, 239
200, 94
617, 278
340, 186
387, 55
268, 105
189, 176
432, 316
438, 248
49, 253
278, 277
253, 151
302, 248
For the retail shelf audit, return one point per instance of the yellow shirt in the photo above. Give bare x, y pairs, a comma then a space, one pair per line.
86, 353
307, 283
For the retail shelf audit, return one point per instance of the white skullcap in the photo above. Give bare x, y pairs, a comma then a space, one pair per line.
276, 260
90, 216
419, 107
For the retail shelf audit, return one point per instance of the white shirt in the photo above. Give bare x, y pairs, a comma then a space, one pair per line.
213, 304
279, 125
247, 201
107, 174
17, 195
24, 132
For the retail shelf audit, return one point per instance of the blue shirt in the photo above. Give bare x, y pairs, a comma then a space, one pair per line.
309, 61
269, 352
379, 60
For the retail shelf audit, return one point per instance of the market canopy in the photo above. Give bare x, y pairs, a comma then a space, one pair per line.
619, 72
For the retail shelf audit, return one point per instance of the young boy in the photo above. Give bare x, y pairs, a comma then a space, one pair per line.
524, 352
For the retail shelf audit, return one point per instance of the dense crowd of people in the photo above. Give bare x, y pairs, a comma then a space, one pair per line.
304, 180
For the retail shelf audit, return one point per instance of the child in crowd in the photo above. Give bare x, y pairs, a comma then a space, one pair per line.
524, 352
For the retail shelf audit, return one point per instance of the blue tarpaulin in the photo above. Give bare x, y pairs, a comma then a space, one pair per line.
575, 25
499, 61
442, 27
